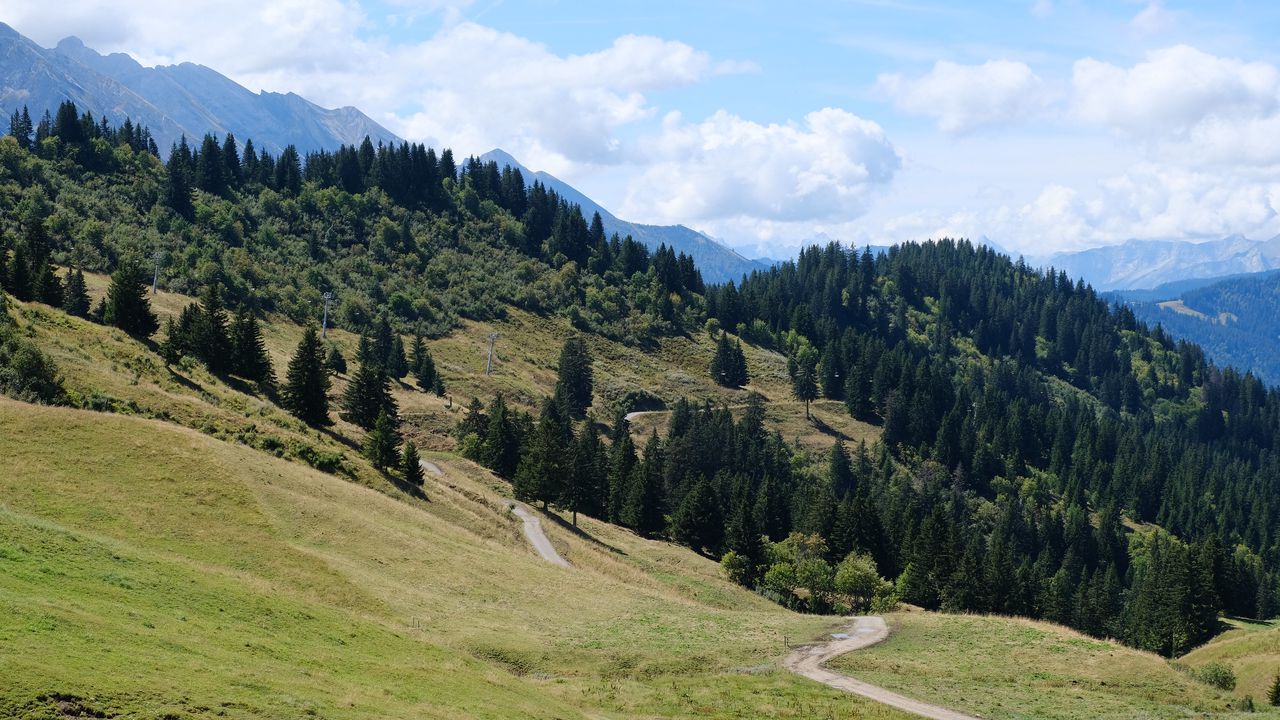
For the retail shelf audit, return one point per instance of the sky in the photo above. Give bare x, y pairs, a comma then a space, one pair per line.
1042, 125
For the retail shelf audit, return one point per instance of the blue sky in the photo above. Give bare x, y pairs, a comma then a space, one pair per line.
1043, 124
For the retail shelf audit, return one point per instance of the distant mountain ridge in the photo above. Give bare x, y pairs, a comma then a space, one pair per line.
717, 262
1145, 264
1236, 320
172, 100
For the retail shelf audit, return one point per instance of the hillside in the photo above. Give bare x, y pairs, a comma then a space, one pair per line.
150, 569
173, 101
1236, 320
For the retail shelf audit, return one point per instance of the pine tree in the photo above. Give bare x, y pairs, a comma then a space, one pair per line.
804, 380
249, 352
697, 521
19, 280
306, 391
335, 362
575, 379
368, 395
127, 305
424, 367
46, 287
212, 344
381, 442
411, 465
75, 298
542, 467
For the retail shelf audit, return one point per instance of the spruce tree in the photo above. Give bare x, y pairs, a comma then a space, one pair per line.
575, 381
841, 474
738, 366
306, 390
1273, 693
212, 341
381, 442
411, 465
541, 471
424, 366
804, 378
75, 298
19, 281
46, 287
249, 352
397, 365
127, 304
368, 395
697, 521
501, 450
335, 363
722, 361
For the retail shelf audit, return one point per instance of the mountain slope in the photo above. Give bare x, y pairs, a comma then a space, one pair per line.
717, 262
1142, 264
172, 100
1236, 321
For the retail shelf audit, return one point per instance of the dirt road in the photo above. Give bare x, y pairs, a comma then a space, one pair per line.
538, 539
532, 525
810, 661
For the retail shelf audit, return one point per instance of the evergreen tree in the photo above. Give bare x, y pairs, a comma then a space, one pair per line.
642, 510
249, 352
501, 450
411, 465
542, 467
575, 379
19, 280
46, 287
75, 298
804, 380
211, 341
127, 305
334, 362
368, 395
697, 521
1273, 693
306, 390
381, 441
840, 472
722, 363
424, 367
397, 365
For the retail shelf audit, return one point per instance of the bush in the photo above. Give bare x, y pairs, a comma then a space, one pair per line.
1217, 674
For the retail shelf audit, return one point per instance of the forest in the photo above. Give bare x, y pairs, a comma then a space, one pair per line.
1043, 453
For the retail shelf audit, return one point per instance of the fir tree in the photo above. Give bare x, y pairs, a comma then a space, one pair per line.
542, 467
575, 378
697, 521
804, 380
381, 441
306, 390
211, 341
334, 362
411, 465
46, 287
1273, 693
368, 395
424, 367
249, 352
127, 304
501, 450
75, 298
19, 280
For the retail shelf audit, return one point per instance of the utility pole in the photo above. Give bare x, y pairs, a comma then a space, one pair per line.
324, 324
488, 366
155, 278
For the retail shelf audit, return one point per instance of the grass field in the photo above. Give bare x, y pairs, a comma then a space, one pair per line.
1014, 669
1251, 649
151, 571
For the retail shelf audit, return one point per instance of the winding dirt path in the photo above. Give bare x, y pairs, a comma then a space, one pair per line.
532, 526
537, 538
810, 661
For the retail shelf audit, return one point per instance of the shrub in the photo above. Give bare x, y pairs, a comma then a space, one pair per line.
1217, 674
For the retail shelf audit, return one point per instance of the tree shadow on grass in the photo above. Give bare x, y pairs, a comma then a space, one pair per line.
579, 532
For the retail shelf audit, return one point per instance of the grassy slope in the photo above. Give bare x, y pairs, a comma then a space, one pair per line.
1251, 649
1013, 668
147, 569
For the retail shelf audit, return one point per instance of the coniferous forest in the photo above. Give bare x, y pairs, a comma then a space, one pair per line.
1042, 454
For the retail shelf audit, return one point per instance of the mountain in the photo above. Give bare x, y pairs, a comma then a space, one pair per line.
172, 100
717, 262
1142, 264
1236, 320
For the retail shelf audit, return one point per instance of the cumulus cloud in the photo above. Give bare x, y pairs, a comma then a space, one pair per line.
829, 165
963, 98
1172, 91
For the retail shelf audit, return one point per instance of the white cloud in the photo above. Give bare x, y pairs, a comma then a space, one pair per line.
829, 166
1155, 19
1042, 8
963, 98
